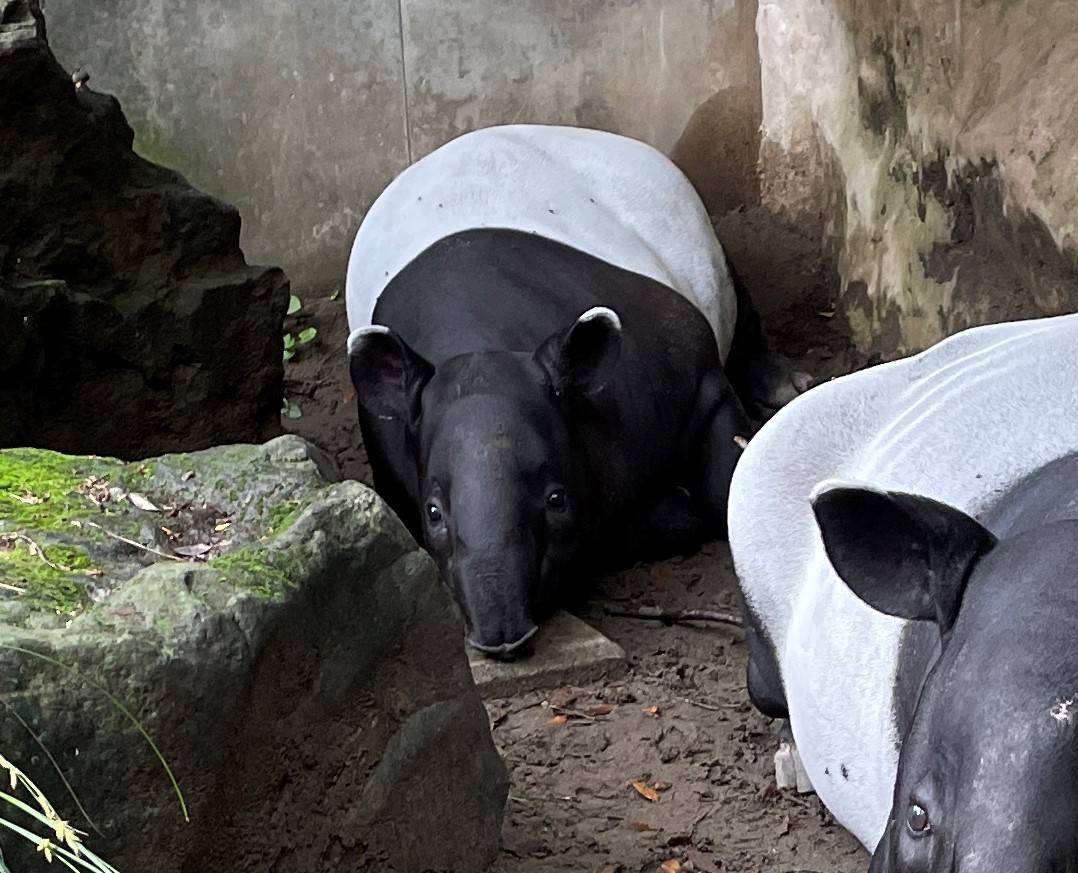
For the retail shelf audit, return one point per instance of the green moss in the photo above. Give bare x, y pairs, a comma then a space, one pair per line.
39, 489
51, 582
267, 572
39, 493
281, 515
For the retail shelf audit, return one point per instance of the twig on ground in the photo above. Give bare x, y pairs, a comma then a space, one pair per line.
673, 616
708, 706
134, 543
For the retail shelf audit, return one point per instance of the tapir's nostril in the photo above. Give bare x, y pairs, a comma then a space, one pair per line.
522, 647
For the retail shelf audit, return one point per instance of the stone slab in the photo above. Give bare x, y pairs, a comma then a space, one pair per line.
568, 651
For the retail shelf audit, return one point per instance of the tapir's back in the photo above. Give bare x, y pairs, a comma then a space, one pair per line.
607, 195
961, 422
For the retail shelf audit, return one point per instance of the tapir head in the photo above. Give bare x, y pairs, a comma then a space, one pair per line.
988, 771
502, 502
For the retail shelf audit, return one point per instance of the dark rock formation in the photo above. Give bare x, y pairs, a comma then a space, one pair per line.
305, 678
130, 324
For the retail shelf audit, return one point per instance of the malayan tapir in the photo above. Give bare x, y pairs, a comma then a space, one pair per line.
906, 540
539, 318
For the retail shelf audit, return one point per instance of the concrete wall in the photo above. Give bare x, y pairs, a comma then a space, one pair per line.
300, 113
935, 147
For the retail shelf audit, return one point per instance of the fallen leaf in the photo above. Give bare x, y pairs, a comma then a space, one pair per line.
27, 497
196, 551
190, 474
306, 335
609, 868
559, 719
642, 826
671, 866
221, 526
653, 711
336, 293
142, 502
349, 395
601, 709
294, 305
646, 791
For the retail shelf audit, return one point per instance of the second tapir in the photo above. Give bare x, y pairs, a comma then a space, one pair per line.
539, 321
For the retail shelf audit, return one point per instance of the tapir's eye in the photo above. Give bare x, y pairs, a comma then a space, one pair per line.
917, 820
434, 512
556, 499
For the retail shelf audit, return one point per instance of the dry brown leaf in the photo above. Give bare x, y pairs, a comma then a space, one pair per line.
609, 868
671, 866
642, 826
601, 709
646, 791
653, 711
349, 395
561, 718
27, 497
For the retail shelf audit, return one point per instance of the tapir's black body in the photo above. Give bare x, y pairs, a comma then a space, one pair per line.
646, 451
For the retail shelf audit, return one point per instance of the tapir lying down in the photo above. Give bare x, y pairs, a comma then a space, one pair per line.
920, 631
539, 320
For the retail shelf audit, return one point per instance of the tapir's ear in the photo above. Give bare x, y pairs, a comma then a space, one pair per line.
902, 554
583, 358
388, 376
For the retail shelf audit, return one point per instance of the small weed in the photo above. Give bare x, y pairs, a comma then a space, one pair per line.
292, 343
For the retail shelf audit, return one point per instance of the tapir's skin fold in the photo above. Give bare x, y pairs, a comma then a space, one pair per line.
906, 542
552, 362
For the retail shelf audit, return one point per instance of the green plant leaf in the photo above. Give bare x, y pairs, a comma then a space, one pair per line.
291, 409
307, 334
288, 355
294, 305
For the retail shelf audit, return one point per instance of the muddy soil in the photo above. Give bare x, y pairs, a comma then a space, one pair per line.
679, 726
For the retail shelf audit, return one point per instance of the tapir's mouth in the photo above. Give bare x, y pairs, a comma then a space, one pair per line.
520, 648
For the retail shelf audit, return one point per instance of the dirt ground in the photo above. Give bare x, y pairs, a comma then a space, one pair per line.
679, 724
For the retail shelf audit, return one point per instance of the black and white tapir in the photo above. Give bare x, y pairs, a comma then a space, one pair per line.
920, 629
539, 318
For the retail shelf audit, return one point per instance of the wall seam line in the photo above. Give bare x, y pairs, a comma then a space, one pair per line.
404, 83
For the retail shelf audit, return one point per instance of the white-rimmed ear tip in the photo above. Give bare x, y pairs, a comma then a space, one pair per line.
359, 333
834, 484
603, 312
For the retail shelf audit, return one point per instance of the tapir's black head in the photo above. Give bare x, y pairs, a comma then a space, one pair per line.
501, 500
988, 772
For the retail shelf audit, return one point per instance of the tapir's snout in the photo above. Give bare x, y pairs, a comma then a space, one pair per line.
495, 591
517, 648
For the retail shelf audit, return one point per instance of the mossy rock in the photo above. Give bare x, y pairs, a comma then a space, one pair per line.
305, 678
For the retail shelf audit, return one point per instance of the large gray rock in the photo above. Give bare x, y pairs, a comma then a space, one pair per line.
305, 680
129, 322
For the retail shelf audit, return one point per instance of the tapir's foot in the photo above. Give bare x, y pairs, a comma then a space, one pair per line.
790, 773
772, 382
672, 527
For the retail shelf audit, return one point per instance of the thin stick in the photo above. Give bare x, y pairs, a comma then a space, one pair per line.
706, 706
673, 616
137, 545
35, 549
